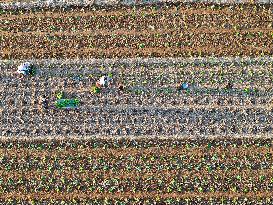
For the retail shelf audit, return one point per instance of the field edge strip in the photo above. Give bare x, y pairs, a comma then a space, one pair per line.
133, 137
154, 60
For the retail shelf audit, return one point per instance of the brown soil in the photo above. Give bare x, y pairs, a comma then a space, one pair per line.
199, 34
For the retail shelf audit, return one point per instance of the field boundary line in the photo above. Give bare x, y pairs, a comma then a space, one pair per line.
131, 174
155, 60
129, 32
154, 194
64, 3
121, 151
126, 51
133, 137
117, 13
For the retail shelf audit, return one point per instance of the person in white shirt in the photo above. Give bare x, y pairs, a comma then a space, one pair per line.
104, 81
24, 68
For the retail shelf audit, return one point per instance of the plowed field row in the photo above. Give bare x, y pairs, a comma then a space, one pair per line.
161, 8
150, 34
135, 122
163, 40
196, 8
181, 21
132, 53
155, 66
158, 108
249, 151
150, 174
80, 196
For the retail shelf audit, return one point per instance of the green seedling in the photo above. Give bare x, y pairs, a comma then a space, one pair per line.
138, 92
247, 90
60, 95
142, 45
95, 89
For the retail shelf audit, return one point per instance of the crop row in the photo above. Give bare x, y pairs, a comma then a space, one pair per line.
167, 184
130, 53
137, 21
146, 86
120, 52
110, 143
140, 163
146, 77
138, 121
221, 66
144, 168
162, 8
218, 199
135, 40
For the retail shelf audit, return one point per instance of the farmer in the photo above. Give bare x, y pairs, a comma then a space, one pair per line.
25, 69
44, 102
183, 86
229, 85
120, 87
104, 81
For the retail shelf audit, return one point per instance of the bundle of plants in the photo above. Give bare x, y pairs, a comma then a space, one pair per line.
67, 103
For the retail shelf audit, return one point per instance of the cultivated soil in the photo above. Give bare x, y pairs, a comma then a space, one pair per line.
149, 104
136, 171
142, 31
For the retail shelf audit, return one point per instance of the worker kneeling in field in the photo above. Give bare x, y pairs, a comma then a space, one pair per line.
44, 102
26, 69
183, 86
104, 81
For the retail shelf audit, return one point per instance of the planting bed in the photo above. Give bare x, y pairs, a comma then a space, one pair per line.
150, 103
157, 31
148, 143
139, 171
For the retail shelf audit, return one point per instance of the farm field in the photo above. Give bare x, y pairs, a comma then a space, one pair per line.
137, 171
142, 31
150, 103
145, 139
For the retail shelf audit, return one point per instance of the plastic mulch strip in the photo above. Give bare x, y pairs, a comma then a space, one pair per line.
67, 103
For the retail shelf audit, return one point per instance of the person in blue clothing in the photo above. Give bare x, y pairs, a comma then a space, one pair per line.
183, 86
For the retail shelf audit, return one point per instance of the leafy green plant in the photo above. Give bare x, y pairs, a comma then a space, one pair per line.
95, 89
141, 45
139, 91
63, 103
247, 90
60, 95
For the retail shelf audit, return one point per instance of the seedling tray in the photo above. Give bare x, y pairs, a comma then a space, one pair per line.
67, 103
